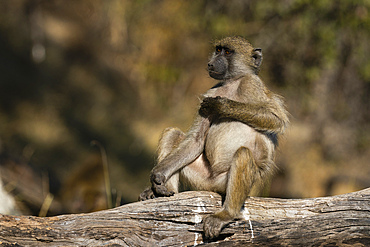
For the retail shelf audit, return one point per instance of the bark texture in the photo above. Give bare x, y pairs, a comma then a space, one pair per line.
176, 221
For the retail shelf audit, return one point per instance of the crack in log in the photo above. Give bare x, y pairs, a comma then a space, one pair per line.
166, 220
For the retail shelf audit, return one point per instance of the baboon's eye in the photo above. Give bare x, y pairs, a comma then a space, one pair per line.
218, 49
228, 52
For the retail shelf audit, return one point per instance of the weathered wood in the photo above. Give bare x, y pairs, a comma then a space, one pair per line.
176, 221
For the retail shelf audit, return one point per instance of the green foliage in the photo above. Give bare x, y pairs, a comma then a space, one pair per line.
120, 71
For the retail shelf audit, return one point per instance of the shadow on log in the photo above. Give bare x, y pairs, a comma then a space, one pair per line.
176, 221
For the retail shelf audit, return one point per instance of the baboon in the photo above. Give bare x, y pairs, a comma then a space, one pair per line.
230, 146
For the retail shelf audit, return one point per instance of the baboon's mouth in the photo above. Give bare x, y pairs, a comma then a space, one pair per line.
215, 72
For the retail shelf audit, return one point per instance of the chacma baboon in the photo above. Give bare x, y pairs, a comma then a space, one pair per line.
230, 146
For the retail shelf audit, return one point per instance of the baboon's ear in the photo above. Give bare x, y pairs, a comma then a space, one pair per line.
257, 56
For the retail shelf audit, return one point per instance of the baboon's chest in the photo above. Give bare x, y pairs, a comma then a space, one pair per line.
229, 91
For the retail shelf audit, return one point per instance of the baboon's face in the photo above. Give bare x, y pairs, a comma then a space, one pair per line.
234, 57
218, 65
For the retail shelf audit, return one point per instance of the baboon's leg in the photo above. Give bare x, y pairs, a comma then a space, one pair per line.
169, 140
241, 177
171, 137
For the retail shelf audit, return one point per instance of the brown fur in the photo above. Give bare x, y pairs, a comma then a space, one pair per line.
231, 144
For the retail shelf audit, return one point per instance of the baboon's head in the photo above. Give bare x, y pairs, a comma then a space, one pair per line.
234, 57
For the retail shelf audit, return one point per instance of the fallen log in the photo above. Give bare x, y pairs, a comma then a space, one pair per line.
176, 221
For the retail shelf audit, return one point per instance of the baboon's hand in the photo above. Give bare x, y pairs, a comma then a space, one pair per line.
211, 106
146, 194
158, 185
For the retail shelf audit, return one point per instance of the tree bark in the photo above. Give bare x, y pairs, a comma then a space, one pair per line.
176, 221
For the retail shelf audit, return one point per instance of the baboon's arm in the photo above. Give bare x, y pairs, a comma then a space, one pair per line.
269, 116
187, 151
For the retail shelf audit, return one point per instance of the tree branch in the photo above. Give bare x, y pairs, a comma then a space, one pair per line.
176, 221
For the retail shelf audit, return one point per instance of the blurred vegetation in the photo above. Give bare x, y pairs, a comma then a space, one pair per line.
119, 72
